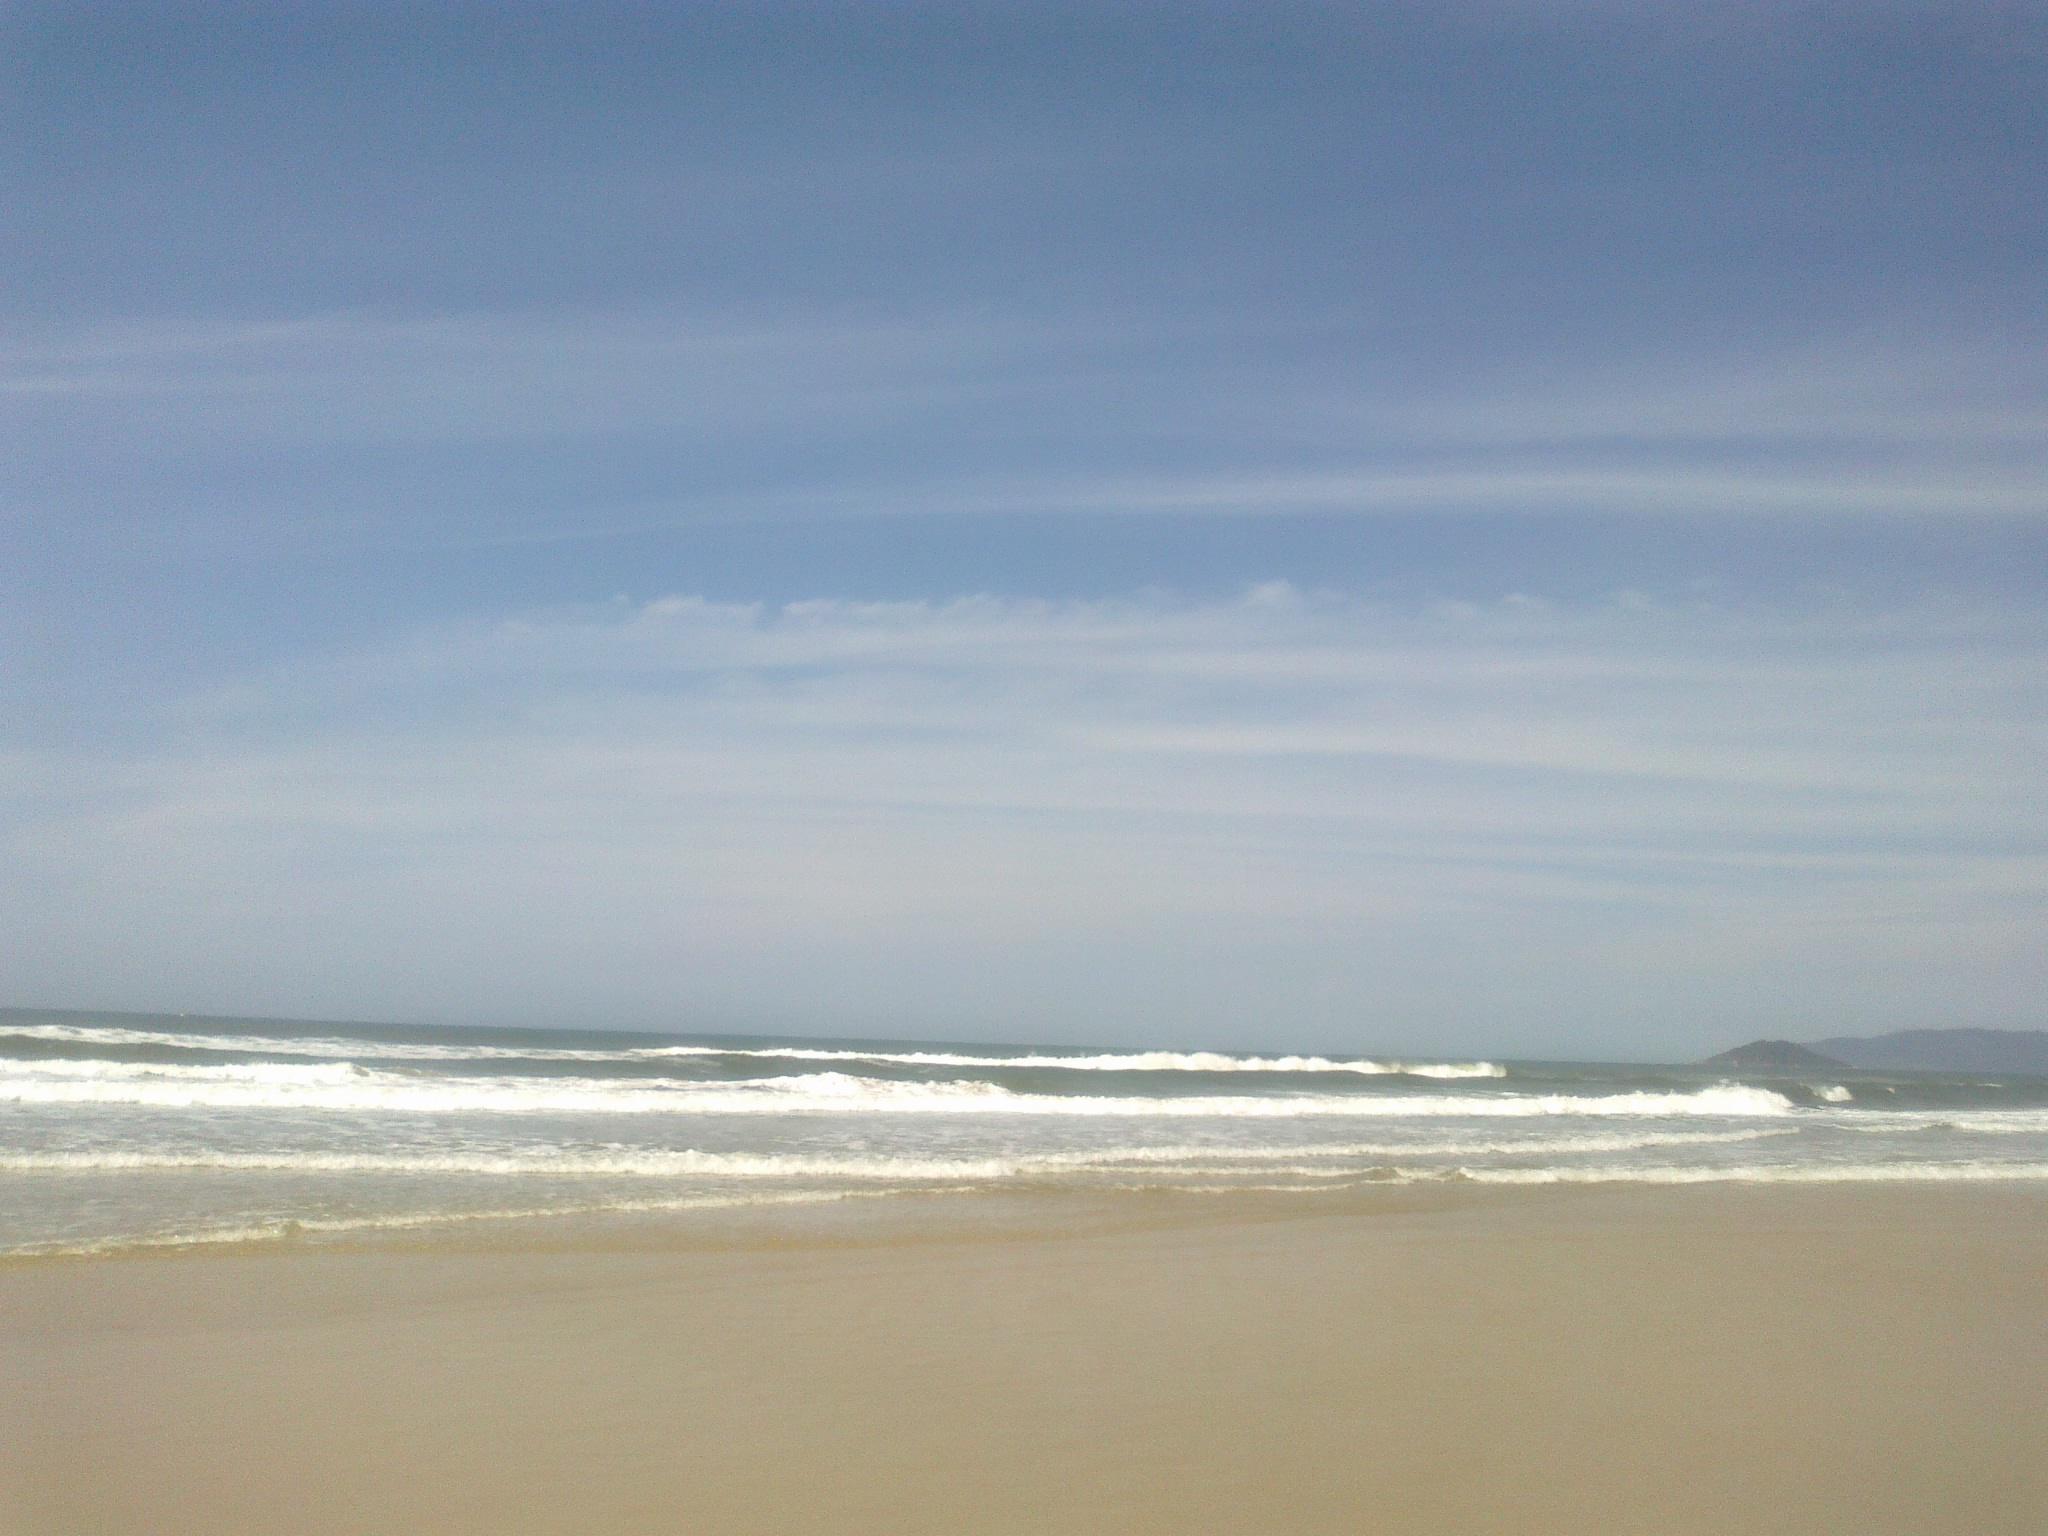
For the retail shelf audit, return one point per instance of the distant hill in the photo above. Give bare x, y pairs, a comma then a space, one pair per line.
1773, 1056
1943, 1050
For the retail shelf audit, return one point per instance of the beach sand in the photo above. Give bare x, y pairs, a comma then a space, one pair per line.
1589, 1360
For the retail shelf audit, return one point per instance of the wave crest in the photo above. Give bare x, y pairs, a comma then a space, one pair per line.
1103, 1061
342, 1087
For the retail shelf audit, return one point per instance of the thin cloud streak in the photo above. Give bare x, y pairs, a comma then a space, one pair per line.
1048, 801
1676, 490
1935, 426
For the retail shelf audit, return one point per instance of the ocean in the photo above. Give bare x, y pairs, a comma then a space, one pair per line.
130, 1131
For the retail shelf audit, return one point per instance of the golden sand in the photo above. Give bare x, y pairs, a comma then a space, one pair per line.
1586, 1361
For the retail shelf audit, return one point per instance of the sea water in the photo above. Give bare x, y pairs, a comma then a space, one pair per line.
128, 1130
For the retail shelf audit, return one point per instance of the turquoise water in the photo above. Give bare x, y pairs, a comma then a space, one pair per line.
122, 1130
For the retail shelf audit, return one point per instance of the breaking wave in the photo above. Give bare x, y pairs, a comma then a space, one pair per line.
343, 1048
149, 1131
346, 1087
1116, 1061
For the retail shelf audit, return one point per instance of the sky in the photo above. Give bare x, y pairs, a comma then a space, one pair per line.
1511, 528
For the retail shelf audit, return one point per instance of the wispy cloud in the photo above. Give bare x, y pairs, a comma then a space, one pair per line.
951, 413
1675, 488
1066, 810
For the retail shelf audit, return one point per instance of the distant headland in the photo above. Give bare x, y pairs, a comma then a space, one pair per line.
1906, 1050
1772, 1056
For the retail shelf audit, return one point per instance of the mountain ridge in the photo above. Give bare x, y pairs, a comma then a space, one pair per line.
1941, 1050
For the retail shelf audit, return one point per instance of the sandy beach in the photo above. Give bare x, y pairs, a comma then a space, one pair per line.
1672, 1361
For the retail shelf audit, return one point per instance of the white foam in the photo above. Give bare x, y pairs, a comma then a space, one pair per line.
662, 1163
356, 1089
270, 1072
1125, 1061
1973, 1122
1834, 1094
1505, 1146
539, 1164
1758, 1173
270, 1045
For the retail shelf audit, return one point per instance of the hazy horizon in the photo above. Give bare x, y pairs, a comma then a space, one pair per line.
1496, 531
1420, 1051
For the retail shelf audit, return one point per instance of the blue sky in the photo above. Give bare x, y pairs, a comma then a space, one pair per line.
1505, 527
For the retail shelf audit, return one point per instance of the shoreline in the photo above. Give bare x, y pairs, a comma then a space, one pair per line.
1698, 1359
703, 1219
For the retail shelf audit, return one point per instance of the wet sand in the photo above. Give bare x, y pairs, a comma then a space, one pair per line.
1656, 1361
